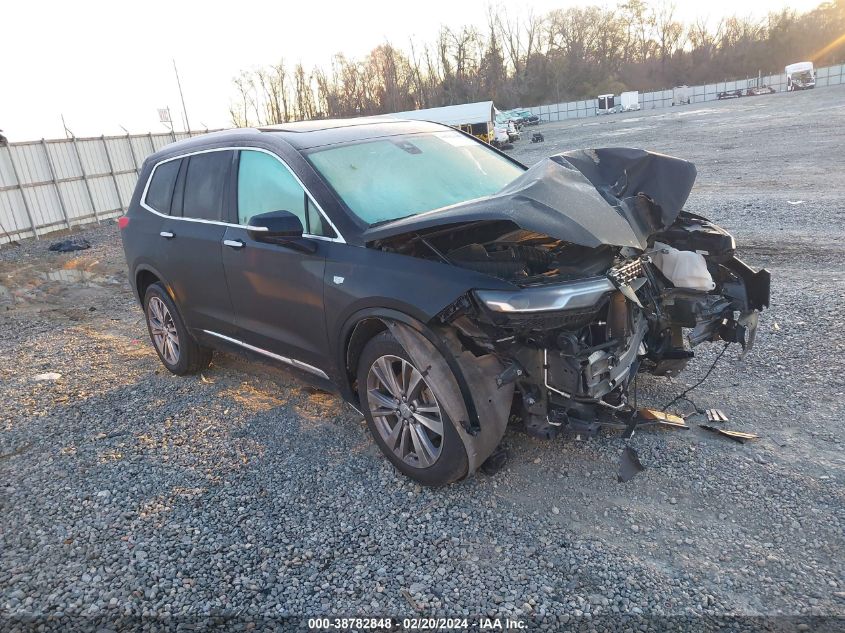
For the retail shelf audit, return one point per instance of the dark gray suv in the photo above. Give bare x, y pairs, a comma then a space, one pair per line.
436, 283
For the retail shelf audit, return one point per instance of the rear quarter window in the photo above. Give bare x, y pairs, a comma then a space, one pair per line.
160, 190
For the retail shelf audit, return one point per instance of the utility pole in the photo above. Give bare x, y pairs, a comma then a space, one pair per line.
182, 96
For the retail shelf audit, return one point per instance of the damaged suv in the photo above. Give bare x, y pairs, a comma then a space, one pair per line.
438, 284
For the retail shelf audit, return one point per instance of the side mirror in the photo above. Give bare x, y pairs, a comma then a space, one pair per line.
274, 225
279, 227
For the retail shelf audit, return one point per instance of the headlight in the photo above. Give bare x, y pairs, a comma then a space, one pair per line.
573, 295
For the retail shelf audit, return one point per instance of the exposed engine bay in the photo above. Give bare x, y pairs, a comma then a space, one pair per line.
610, 277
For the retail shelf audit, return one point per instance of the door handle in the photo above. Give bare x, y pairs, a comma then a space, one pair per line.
166, 235
234, 243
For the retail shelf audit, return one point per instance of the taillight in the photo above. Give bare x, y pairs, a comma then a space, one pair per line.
123, 222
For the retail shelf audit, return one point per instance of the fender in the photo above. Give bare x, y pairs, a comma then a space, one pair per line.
385, 315
148, 267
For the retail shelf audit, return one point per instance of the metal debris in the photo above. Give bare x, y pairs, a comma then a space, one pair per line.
716, 415
663, 418
736, 436
629, 465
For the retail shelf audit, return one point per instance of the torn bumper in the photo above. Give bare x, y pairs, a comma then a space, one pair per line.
572, 349
756, 285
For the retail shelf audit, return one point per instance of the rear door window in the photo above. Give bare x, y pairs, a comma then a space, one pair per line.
205, 183
160, 190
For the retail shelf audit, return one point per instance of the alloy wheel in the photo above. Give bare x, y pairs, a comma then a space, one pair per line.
163, 330
405, 411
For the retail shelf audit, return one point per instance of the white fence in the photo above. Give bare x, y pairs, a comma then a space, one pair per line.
828, 76
57, 184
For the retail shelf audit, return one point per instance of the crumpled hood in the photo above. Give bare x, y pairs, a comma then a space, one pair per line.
587, 197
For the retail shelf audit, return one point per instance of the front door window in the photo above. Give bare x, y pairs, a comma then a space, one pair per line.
265, 184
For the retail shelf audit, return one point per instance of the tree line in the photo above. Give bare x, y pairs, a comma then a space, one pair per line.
527, 59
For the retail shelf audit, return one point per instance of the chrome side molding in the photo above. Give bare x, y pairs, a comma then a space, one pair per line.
284, 359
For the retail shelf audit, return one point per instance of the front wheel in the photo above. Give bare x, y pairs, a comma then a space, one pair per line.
405, 417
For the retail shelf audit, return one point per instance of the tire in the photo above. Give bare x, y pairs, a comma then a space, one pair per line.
398, 433
176, 348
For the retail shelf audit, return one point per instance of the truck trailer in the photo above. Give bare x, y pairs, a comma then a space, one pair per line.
630, 101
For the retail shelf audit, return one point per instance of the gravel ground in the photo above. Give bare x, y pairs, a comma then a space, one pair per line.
126, 492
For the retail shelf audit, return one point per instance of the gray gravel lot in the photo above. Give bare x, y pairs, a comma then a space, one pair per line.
125, 491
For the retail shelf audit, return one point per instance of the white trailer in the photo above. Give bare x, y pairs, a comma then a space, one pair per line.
606, 104
630, 101
474, 118
800, 76
681, 95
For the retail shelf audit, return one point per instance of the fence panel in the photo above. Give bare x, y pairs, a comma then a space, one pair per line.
31, 163
50, 185
102, 190
12, 210
46, 206
7, 172
75, 200
64, 160
93, 156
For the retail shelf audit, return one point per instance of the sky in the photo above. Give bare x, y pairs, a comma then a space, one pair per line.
107, 65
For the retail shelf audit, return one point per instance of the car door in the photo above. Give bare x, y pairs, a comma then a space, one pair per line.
193, 237
277, 291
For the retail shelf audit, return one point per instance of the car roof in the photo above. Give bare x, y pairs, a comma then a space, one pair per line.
302, 135
310, 134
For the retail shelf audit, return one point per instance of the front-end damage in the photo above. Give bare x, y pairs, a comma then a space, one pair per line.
492, 402
609, 278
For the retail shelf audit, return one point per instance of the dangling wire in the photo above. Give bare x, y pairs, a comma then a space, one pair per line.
683, 395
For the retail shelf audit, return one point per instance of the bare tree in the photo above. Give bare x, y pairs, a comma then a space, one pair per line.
304, 94
520, 58
668, 32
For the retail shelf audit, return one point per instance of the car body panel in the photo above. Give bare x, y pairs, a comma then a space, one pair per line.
192, 261
359, 279
278, 292
586, 197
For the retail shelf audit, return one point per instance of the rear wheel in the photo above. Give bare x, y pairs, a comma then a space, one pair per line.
176, 348
405, 417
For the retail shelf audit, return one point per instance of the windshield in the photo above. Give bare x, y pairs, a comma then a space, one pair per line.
388, 178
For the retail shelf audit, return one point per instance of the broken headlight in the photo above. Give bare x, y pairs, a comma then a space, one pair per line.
573, 295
